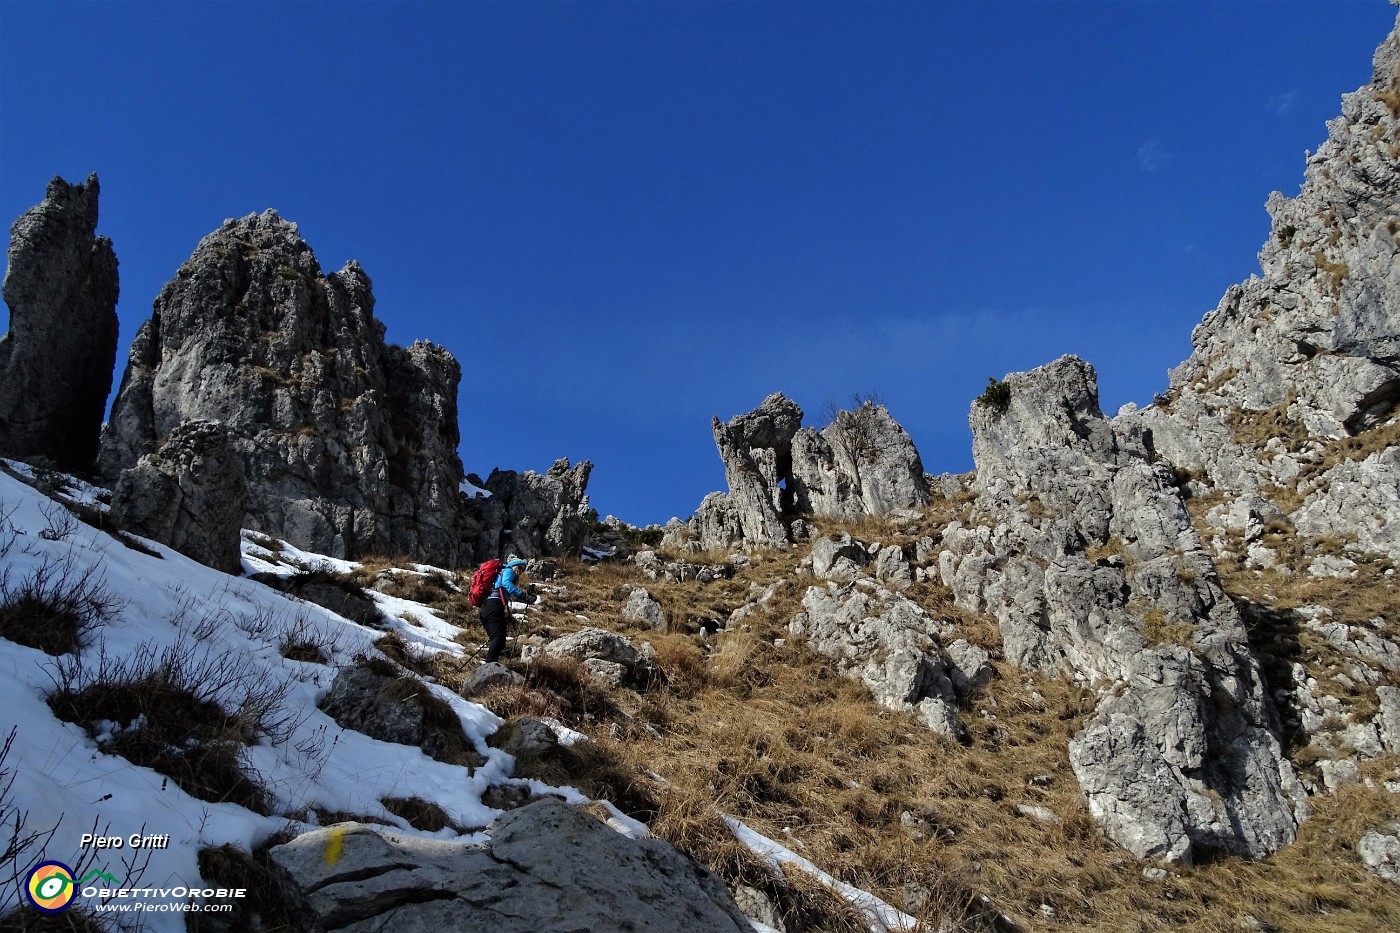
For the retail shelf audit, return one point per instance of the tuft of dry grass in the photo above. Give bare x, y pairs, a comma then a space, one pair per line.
55, 608
1254, 429
444, 738
185, 715
419, 813
270, 903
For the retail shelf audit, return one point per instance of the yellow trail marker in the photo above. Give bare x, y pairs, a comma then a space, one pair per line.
335, 845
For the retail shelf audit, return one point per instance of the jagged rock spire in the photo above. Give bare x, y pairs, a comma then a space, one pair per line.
863, 463
348, 444
56, 361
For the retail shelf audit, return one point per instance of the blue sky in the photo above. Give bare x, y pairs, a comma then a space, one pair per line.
660, 212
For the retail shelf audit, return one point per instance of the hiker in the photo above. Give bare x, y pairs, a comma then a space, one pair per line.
495, 611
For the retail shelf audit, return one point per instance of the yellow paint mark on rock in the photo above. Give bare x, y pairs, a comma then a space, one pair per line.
335, 845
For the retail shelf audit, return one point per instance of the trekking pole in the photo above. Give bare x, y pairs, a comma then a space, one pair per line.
471, 657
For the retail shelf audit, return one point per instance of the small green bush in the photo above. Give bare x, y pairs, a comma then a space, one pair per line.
996, 396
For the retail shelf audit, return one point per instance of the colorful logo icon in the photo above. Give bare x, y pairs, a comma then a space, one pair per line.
50, 886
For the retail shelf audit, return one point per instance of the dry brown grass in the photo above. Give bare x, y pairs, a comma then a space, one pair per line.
1337, 272
1205, 386
268, 905
1254, 429
1291, 496
594, 591
58, 606
419, 813
1269, 598
1154, 625
183, 714
751, 723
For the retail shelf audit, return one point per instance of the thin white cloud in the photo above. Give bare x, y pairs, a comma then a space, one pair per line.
1153, 156
1282, 103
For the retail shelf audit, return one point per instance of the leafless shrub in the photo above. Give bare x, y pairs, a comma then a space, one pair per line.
61, 522
260, 624
9, 532
302, 639
15, 833
56, 606
831, 411
24, 847
184, 713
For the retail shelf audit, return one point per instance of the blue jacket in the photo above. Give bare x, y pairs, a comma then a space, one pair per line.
506, 581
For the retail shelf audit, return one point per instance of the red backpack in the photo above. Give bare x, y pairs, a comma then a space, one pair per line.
483, 581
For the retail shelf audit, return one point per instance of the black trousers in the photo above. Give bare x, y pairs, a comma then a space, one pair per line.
494, 620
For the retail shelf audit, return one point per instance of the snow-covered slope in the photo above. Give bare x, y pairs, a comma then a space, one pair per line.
61, 777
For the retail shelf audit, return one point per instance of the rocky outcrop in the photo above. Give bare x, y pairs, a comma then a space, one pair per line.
531, 514
349, 445
56, 360
1297, 372
1379, 851
643, 609
1081, 547
1357, 499
863, 463
779, 473
889, 644
336, 592
678, 571
190, 495
756, 449
547, 866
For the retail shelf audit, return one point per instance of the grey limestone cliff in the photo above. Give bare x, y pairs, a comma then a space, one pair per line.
1081, 547
190, 494
348, 444
530, 514
56, 360
1292, 390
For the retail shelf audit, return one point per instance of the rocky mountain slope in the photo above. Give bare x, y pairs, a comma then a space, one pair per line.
1287, 404
1134, 672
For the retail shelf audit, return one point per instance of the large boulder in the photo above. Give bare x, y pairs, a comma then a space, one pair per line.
547, 867
348, 444
391, 707
1081, 546
606, 656
56, 360
642, 607
190, 495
